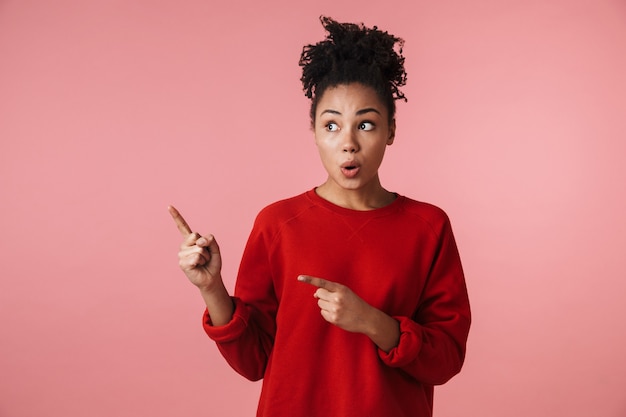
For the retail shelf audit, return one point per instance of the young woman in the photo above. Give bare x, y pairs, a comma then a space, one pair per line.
350, 299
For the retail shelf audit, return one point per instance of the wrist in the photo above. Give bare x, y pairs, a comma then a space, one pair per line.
216, 285
218, 302
383, 330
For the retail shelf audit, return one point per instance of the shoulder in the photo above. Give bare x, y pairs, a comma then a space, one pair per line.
421, 208
429, 214
283, 210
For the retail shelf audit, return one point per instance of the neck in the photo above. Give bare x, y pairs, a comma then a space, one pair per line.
370, 198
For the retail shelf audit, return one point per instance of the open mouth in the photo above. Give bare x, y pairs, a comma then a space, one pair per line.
350, 171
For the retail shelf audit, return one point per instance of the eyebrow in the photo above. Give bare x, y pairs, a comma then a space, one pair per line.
358, 113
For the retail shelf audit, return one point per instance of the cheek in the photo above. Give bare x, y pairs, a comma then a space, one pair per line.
325, 153
379, 153
325, 142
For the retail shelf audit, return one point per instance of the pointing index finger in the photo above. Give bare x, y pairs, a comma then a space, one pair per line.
182, 225
318, 282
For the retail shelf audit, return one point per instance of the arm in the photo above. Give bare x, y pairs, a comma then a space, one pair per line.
433, 341
247, 340
242, 334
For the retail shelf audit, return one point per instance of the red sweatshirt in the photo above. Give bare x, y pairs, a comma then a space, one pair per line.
401, 259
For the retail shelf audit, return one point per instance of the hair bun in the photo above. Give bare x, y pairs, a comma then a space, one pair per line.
350, 47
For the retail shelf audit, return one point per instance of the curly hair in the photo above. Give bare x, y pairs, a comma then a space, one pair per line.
353, 53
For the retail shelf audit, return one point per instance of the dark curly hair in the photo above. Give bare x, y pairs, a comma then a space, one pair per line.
353, 53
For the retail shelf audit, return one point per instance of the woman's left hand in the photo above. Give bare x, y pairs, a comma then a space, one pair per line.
340, 306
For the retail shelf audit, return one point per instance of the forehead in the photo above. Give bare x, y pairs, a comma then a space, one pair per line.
349, 99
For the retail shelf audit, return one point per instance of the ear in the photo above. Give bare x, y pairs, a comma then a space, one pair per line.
392, 132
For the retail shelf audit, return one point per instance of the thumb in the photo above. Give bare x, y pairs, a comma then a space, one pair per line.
209, 243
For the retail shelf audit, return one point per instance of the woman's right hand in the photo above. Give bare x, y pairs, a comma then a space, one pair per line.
199, 256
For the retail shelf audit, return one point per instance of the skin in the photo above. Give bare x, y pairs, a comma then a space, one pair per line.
352, 132
200, 259
352, 128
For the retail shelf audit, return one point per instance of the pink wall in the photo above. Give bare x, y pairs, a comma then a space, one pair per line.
110, 111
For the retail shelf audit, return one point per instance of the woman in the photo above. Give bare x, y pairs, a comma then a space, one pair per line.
350, 299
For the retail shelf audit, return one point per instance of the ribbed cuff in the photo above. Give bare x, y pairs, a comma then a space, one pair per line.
408, 346
231, 330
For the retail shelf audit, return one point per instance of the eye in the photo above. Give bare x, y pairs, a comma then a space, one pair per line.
366, 126
332, 127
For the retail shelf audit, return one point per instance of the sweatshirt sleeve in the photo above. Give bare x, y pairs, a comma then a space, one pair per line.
433, 342
246, 342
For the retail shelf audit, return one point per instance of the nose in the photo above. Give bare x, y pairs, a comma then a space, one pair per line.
350, 143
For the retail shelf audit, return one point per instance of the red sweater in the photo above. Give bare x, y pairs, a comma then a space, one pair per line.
401, 259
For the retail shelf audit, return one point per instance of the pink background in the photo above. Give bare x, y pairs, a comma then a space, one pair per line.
111, 110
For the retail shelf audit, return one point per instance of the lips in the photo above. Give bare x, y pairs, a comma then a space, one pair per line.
350, 169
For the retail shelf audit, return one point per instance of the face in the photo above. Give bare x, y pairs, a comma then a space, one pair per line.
352, 131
